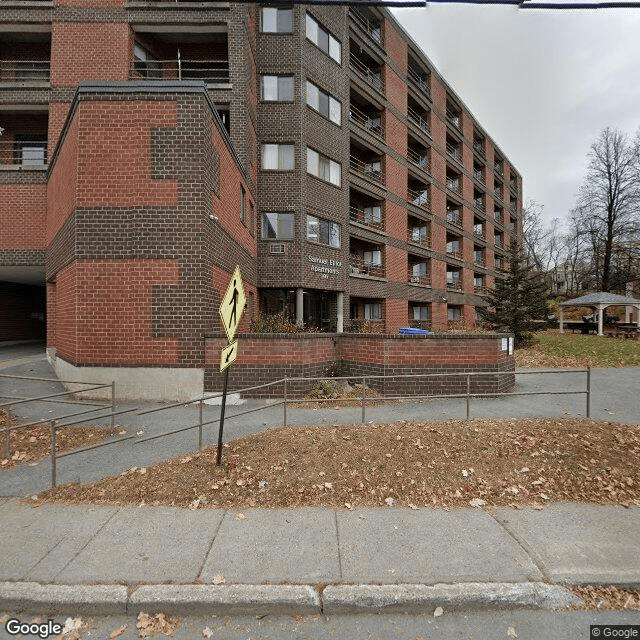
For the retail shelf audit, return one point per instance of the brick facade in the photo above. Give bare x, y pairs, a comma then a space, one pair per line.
131, 168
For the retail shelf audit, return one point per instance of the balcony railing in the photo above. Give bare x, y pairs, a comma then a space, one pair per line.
497, 218
454, 253
419, 120
27, 154
25, 72
479, 232
454, 119
497, 241
371, 170
478, 204
419, 159
478, 146
373, 124
455, 285
512, 207
454, 151
480, 289
359, 266
424, 280
513, 185
453, 184
415, 236
454, 218
374, 78
371, 28
497, 192
367, 218
209, 71
498, 168
420, 324
418, 197
479, 176
420, 80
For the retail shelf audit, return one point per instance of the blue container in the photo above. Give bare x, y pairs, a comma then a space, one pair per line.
413, 332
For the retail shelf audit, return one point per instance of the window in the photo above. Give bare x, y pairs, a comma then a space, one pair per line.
145, 64
277, 157
373, 215
323, 39
372, 258
276, 19
419, 269
420, 234
373, 311
323, 167
323, 231
276, 88
252, 217
324, 103
243, 205
454, 313
421, 313
277, 226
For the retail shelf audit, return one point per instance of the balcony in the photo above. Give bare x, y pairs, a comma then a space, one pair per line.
454, 117
419, 234
419, 119
455, 185
479, 258
480, 289
497, 241
478, 230
418, 158
498, 217
367, 71
478, 174
25, 73
478, 204
371, 169
478, 146
424, 280
453, 285
362, 265
512, 207
418, 197
498, 169
371, 123
419, 79
366, 23
454, 216
210, 71
454, 151
497, 192
24, 152
370, 216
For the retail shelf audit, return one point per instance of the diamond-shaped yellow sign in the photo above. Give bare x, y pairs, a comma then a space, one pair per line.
232, 305
228, 356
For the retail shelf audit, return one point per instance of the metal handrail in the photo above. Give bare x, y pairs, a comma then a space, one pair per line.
454, 184
454, 286
421, 80
424, 280
478, 175
423, 242
374, 78
479, 205
364, 168
480, 261
417, 119
418, 197
358, 215
421, 160
23, 152
25, 71
454, 217
453, 118
371, 124
210, 71
369, 26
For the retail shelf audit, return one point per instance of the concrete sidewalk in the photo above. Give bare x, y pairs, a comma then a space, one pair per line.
107, 560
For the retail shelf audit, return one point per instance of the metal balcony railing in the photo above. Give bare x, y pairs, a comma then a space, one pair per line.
420, 80
374, 78
479, 232
418, 119
416, 236
454, 253
25, 72
371, 170
479, 260
373, 124
419, 159
478, 204
424, 280
498, 169
453, 184
479, 176
512, 207
454, 217
478, 146
454, 151
370, 27
31, 153
209, 71
497, 241
497, 192
454, 119
359, 266
455, 285
497, 218
369, 219
418, 197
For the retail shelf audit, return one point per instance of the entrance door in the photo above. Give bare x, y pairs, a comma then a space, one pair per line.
317, 310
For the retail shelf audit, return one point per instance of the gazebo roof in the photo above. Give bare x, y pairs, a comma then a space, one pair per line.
599, 298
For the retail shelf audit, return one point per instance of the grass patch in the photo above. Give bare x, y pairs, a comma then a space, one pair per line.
551, 349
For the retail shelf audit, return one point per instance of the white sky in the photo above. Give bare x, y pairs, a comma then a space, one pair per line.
542, 83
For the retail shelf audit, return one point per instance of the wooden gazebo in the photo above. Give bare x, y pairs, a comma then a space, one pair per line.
599, 302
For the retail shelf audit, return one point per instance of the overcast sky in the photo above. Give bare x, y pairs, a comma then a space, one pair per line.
542, 83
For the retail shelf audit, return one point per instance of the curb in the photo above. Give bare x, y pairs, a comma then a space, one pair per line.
194, 599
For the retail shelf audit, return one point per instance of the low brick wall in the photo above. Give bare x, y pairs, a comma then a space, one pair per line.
264, 358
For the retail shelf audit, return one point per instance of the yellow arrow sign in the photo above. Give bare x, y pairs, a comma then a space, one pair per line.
232, 305
228, 355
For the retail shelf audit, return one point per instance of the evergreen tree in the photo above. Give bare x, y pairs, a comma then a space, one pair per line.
517, 300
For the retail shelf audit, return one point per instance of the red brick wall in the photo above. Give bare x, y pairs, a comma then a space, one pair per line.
115, 158
22, 216
89, 51
66, 294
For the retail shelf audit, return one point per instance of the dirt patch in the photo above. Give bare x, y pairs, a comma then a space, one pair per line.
32, 444
436, 464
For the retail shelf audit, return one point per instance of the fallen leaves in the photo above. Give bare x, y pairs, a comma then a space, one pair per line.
160, 623
488, 463
611, 598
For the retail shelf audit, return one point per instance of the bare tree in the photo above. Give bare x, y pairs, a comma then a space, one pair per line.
609, 202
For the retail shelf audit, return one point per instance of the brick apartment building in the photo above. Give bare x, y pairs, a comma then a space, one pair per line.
149, 146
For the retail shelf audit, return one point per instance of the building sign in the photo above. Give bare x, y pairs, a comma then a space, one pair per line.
325, 267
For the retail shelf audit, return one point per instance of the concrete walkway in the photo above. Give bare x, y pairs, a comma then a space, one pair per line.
109, 560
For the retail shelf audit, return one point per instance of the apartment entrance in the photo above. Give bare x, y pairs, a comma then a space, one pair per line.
317, 310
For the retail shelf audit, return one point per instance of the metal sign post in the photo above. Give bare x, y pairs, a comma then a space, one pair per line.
231, 310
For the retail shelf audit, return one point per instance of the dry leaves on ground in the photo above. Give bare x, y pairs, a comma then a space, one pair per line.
412, 464
34, 443
607, 598
148, 625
